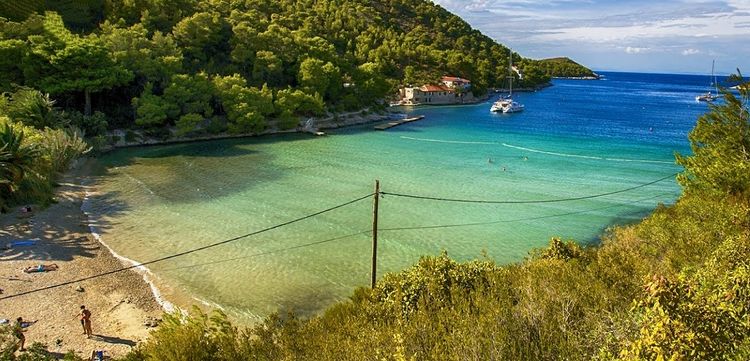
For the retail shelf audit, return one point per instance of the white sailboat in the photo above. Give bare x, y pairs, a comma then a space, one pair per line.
507, 104
708, 96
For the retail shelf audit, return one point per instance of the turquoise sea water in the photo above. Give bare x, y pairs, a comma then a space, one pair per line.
576, 138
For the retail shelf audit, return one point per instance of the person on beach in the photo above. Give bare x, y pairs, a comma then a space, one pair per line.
41, 268
85, 317
18, 330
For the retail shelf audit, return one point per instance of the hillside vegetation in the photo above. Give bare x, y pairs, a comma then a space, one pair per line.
564, 68
239, 66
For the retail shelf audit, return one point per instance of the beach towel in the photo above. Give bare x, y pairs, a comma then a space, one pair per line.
25, 242
20, 243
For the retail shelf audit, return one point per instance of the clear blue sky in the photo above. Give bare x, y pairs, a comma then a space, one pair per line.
662, 36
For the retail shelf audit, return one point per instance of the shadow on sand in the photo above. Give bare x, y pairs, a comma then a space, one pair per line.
58, 233
113, 340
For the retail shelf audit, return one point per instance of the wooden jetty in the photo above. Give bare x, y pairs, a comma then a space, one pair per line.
398, 122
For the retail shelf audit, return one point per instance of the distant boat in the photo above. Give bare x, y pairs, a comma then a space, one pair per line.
507, 104
708, 96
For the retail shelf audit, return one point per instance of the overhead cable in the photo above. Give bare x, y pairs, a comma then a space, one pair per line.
519, 219
269, 252
554, 200
175, 255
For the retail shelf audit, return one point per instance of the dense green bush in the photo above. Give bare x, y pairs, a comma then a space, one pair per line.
188, 123
31, 160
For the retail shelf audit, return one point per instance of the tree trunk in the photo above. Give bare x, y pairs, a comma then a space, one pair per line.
87, 107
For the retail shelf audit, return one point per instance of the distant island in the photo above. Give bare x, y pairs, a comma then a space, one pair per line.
566, 68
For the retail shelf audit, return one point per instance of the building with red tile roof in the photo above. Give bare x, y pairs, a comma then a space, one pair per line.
443, 93
456, 82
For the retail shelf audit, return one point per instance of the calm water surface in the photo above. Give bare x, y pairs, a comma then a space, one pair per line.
575, 139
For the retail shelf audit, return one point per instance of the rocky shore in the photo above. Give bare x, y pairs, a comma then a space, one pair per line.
340, 120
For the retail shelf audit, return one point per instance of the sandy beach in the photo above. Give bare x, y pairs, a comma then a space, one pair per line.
120, 303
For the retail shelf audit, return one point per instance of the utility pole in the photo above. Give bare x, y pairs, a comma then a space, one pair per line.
375, 233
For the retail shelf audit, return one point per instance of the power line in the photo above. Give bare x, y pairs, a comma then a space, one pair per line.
269, 252
527, 201
305, 245
518, 219
341, 237
188, 251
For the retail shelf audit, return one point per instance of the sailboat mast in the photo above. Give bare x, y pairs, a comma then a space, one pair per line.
510, 73
716, 85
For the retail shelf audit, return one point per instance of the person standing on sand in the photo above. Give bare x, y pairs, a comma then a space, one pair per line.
18, 332
86, 321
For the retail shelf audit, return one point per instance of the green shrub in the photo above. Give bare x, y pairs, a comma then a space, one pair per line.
131, 136
195, 337
91, 126
31, 107
158, 133
99, 144
216, 125
287, 120
62, 147
189, 123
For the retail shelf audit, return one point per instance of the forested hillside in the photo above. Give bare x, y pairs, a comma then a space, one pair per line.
238, 66
564, 68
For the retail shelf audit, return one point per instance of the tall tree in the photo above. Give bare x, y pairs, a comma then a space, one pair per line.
154, 59
62, 62
204, 38
245, 107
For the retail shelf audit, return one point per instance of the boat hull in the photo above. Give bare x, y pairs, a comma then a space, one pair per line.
708, 97
506, 106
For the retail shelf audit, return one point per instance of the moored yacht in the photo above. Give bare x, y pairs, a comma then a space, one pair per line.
708, 96
507, 104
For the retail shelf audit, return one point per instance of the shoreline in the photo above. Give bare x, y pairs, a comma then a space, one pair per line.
122, 304
144, 271
335, 121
